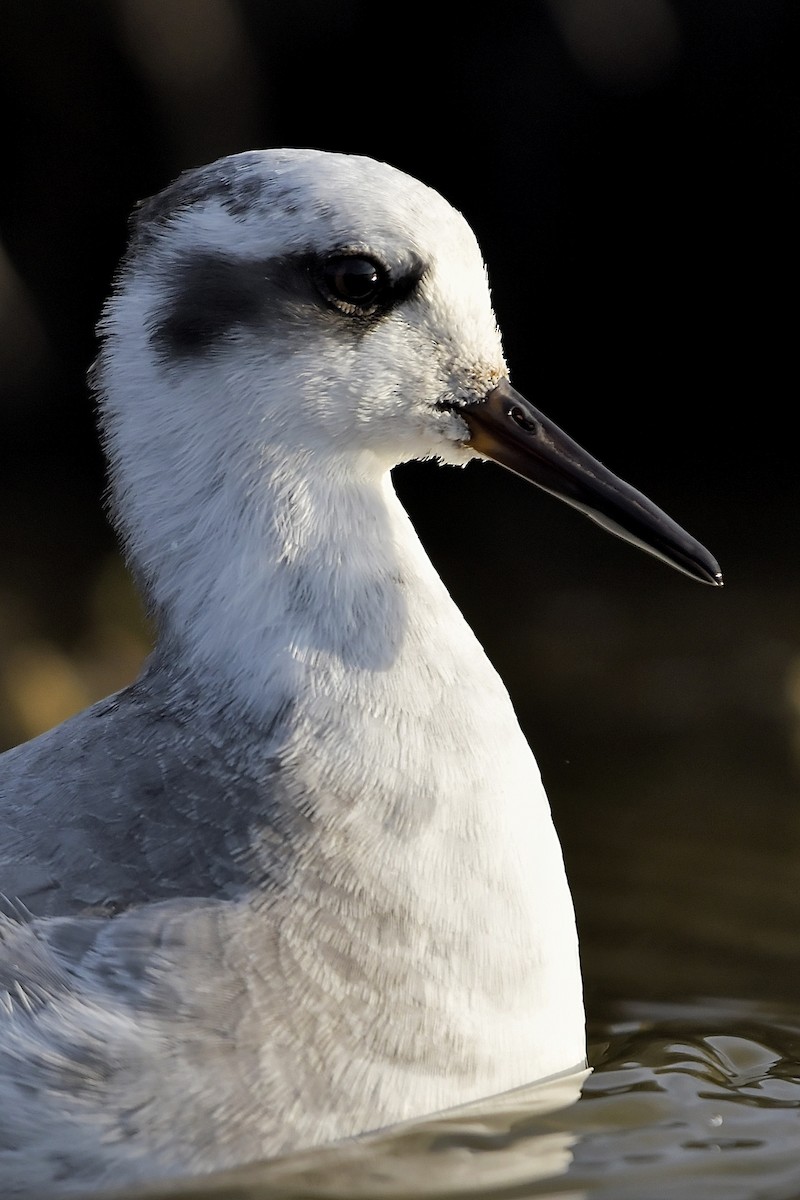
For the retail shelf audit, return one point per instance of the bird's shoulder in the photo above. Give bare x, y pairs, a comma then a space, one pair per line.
129, 801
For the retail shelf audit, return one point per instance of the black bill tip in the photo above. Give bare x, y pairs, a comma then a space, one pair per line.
506, 427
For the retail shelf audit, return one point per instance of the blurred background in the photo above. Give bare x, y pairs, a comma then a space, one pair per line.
630, 169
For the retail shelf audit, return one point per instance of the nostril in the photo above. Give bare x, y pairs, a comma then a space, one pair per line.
521, 418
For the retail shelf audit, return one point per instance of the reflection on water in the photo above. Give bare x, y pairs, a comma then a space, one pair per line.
690, 1100
684, 1101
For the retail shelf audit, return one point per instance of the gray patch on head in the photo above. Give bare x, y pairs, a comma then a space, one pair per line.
241, 183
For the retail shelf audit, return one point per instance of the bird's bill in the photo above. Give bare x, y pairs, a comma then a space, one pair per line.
505, 427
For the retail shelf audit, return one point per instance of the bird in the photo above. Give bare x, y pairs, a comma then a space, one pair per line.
300, 880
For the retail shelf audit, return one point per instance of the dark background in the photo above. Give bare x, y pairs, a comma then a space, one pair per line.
630, 169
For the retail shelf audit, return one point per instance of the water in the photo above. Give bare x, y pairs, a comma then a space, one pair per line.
666, 720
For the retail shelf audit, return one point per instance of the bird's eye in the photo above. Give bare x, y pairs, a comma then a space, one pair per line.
355, 283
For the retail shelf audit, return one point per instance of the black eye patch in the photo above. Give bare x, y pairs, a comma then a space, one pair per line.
207, 296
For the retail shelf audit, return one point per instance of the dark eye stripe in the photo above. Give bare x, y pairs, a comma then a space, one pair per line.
208, 295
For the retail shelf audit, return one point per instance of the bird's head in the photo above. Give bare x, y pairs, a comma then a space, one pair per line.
301, 312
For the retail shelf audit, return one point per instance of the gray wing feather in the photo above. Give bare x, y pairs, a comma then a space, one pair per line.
129, 803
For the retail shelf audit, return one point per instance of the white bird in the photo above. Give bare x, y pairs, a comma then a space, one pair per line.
300, 880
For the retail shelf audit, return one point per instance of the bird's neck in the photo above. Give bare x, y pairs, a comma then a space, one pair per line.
331, 611
322, 572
